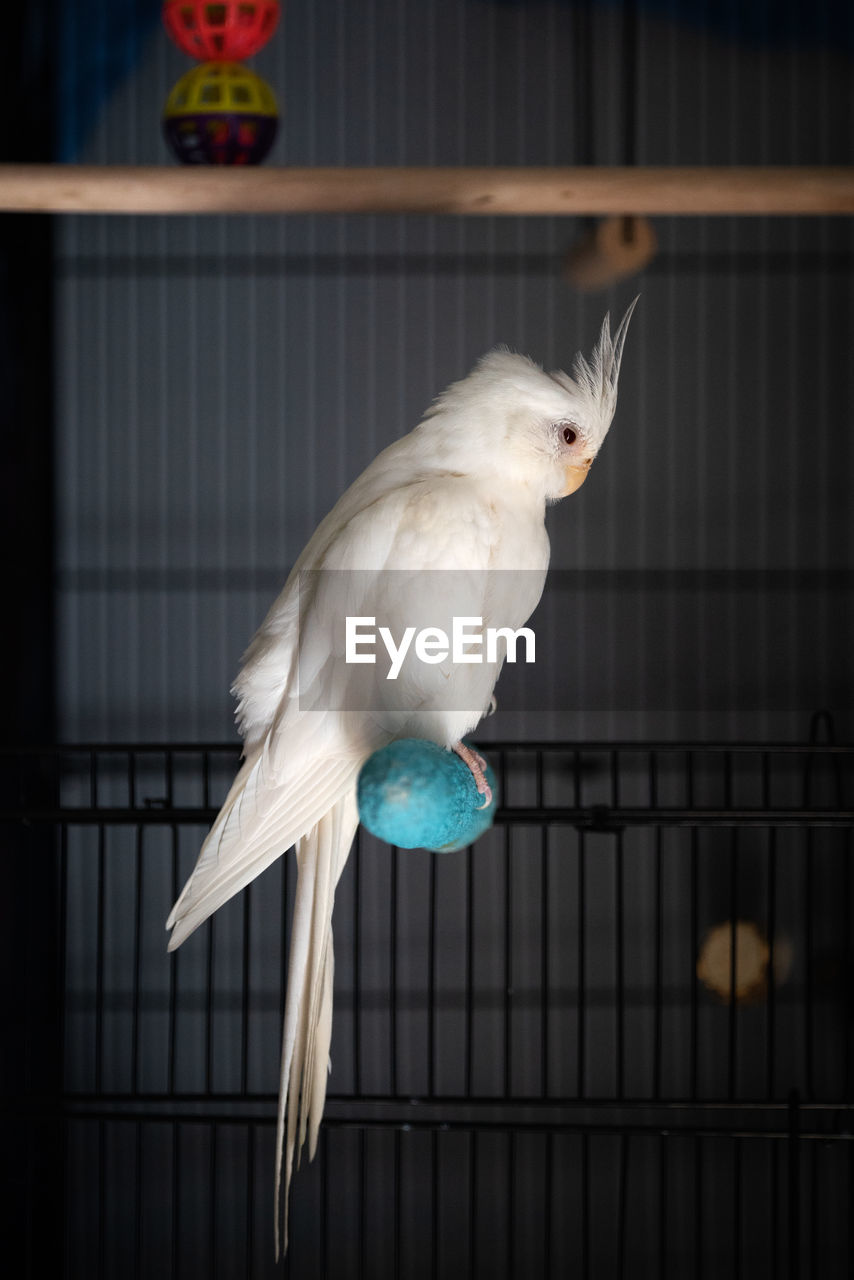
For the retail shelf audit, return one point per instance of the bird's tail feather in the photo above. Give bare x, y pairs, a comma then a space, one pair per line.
306, 1035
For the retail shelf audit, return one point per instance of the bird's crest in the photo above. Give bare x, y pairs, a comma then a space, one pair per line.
471, 408
597, 377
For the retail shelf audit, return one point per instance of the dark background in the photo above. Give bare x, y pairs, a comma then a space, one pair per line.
184, 398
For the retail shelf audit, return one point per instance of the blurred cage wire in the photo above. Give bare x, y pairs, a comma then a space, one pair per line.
528, 1076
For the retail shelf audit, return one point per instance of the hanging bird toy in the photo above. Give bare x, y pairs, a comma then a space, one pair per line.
228, 30
220, 113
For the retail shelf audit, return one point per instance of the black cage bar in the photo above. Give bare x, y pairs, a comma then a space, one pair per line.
529, 1076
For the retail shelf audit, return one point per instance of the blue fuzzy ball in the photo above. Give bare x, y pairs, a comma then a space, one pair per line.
416, 795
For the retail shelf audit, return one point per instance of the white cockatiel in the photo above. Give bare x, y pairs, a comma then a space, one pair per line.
465, 491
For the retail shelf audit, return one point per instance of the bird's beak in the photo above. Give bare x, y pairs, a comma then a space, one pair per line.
574, 477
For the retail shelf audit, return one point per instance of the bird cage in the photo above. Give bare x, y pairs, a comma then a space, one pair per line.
530, 1068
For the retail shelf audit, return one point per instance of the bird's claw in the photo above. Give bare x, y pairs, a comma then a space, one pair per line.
477, 768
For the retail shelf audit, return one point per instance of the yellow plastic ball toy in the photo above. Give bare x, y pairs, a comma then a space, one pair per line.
221, 113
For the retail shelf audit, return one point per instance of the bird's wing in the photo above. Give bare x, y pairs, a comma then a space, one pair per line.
324, 716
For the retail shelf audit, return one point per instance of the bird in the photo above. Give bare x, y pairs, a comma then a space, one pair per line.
447, 521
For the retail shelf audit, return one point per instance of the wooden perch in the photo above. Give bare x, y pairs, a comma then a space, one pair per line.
525, 191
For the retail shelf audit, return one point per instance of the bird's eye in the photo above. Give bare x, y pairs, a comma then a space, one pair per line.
570, 435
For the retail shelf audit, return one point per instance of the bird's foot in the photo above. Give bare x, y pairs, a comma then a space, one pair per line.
477, 766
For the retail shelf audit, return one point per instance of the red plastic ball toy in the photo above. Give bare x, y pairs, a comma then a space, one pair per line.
227, 30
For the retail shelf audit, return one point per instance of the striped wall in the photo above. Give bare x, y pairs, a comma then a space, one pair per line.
220, 381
